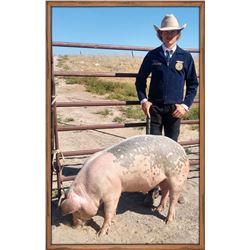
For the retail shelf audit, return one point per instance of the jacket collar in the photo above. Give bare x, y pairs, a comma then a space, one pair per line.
165, 48
162, 57
179, 50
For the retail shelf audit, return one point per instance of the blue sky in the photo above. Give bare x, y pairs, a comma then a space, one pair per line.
119, 26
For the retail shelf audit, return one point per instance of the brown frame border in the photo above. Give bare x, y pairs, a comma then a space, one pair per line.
201, 5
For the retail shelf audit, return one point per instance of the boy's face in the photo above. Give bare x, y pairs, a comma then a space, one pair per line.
170, 37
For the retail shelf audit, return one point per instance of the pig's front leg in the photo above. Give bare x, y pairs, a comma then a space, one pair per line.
109, 212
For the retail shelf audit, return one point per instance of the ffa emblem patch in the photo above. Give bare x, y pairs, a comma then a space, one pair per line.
179, 65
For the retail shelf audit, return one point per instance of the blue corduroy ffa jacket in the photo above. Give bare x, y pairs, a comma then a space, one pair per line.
167, 81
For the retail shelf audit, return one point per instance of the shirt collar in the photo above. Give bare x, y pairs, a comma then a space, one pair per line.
165, 48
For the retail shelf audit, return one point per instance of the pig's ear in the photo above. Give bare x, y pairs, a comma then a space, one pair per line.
69, 206
63, 197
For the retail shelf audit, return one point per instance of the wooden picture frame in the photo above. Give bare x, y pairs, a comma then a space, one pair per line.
49, 6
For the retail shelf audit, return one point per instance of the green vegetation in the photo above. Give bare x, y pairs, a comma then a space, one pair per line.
192, 114
120, 91
105, 112
66, 67
133, 112
61, 62
54, 193
69, 119
74, 80
60, 120
194, 127
113, 90
119, 119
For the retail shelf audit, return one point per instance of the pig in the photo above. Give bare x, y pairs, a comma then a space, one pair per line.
136, 164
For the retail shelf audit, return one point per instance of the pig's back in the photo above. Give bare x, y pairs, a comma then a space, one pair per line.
159, 151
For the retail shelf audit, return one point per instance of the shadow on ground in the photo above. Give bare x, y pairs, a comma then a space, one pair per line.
128, 202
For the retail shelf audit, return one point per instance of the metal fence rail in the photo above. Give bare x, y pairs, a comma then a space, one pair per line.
99, 103
94, 74
109, 126
55, 105
92, 151
110, 46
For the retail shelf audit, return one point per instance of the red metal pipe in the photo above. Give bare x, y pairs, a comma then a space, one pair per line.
103, 126
191, 142
82, 152
91, 151
190, 122
68, 178
94, 74
194, 162
100, 46
99, 103
110, 46
109, 126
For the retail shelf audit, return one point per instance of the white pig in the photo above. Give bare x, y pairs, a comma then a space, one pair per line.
137, 164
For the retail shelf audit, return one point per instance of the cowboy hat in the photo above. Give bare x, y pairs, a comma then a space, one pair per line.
169, 22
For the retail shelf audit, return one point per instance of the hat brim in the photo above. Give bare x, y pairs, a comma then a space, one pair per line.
170, 28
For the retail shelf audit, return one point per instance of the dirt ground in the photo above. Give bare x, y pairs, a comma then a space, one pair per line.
133, 224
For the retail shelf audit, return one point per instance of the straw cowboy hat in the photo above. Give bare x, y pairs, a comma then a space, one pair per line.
169, 22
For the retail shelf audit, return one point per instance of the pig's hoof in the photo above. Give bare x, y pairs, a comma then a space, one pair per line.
170, 220
158, 209
103, 231
76, 226
181, 200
